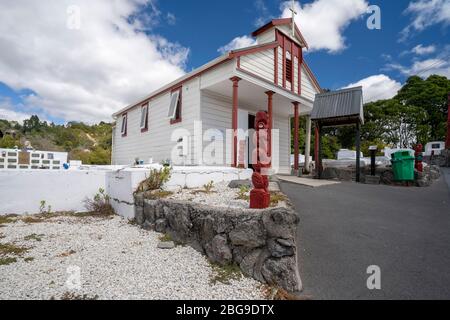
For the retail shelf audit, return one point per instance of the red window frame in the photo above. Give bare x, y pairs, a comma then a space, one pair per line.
178, 117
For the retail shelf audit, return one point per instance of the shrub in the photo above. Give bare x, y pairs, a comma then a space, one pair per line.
208, 187
100, 204
242, 193
155, 181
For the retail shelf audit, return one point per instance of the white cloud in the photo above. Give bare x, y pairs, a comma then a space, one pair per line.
323, 22
171, 19
87, 73
426, 13
421, 50
238, 43
7, 112
377, 87
423, 68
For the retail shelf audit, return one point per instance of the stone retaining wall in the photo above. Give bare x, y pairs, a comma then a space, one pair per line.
261, 242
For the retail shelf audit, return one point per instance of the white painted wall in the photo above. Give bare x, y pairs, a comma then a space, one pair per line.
21, 191
260, 63
309, 91
121, 185
156, 143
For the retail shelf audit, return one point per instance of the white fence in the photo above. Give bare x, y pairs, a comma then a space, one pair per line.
21, 191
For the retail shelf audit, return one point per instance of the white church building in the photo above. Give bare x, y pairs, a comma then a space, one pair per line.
191, 121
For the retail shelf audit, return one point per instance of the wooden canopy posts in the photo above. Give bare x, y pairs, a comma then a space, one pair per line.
338, 108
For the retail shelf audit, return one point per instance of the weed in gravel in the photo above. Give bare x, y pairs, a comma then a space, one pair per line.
28, 259
157, 194
275, 293
243, 193
165, 238
34, 237
66, 254
224, 274
6, 219
74, 296
11, 249
275, 198
7, 261
100, 205
30, 220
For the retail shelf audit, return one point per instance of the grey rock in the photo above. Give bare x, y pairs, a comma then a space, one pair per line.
149, 210
249, 234
280, 223
166, 245
249, 261
279, 250
236, 184
219, 251
139, 199
283, 272
148, 226
139, 215
161, 225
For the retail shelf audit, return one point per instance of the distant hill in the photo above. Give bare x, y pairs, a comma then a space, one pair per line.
88, 143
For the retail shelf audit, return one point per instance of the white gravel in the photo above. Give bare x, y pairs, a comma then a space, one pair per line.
116, 261
221, 196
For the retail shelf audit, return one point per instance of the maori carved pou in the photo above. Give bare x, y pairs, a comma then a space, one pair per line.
260, 196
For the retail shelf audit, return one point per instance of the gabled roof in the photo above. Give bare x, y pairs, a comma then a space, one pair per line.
343, 106
280, 22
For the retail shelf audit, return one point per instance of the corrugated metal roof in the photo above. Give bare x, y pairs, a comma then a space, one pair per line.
346, 103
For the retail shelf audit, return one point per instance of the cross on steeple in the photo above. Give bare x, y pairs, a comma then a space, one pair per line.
293, 17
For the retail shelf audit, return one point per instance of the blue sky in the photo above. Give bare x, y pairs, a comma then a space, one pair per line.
87, 73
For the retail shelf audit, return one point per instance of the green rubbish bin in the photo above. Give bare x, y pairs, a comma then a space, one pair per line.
403, 166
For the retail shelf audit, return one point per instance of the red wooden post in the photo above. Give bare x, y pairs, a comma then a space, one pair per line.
447, 143
235, 117
296, 125
270, 115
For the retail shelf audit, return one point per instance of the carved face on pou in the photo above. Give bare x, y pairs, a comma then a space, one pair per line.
261, 121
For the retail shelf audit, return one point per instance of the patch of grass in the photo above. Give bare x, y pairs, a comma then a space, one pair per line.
12, 249
157, 194
7, 261
66, 254
243, 193
74, 296
276, 197
35, 237
28, 259
208, 187
275, 293
7, 219
30, 220
100, 205
165, 238
224, 274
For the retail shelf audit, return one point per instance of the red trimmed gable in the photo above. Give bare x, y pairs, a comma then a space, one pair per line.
280, 22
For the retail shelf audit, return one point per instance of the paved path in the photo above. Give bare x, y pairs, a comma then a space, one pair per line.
314, 183
347, 227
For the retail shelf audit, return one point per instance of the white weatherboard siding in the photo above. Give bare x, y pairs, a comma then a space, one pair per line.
216, 114
260, 63
283, 124
156, 143
225, 71
309, 91
266, 37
